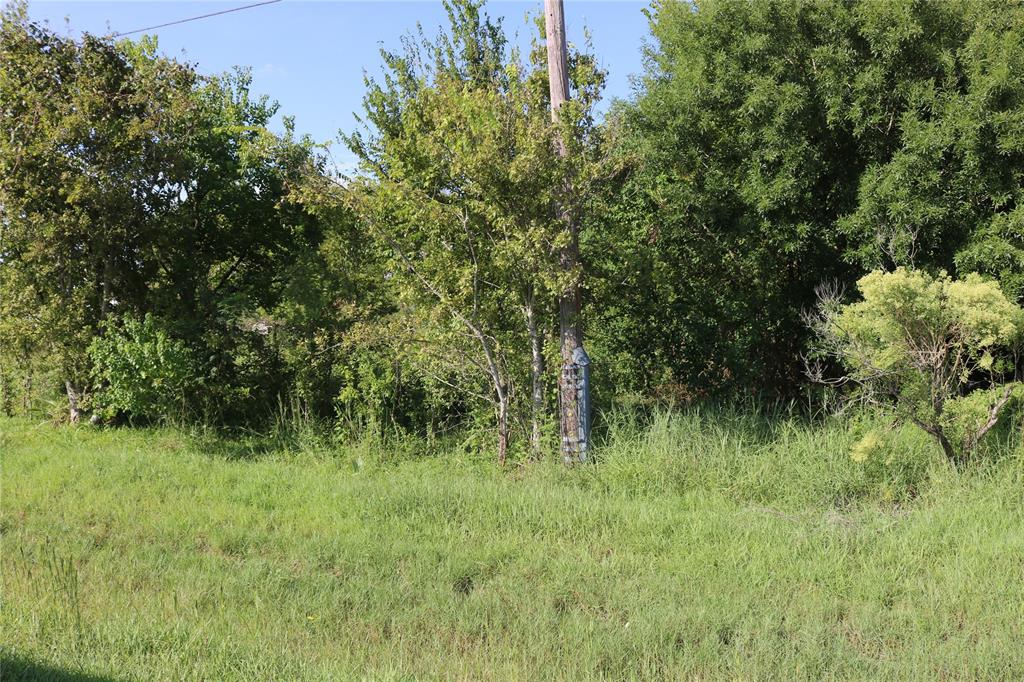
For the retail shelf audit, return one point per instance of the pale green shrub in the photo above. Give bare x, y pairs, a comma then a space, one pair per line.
934, 351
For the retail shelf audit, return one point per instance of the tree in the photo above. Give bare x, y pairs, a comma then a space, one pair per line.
933, 350
130, 184
460, 172
79, 167
776, 145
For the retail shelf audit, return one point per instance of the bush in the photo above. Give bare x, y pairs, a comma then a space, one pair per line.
934, 351
141, 371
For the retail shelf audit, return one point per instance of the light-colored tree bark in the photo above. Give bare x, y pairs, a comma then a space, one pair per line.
74, 398
536, 374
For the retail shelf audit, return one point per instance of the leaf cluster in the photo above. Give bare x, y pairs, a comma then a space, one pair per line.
934, 350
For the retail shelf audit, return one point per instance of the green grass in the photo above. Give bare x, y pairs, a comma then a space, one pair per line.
717, 546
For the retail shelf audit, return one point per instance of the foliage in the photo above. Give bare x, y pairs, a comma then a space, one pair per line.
939, 94
130, 185
769, 147
73, 172
921, 345
460, 181
776, 145
143, 372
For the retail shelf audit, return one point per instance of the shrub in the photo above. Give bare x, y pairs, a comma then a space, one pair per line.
934, 351
142, 371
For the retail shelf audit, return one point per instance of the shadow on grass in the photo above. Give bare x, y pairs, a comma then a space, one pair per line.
14, 667
235, 447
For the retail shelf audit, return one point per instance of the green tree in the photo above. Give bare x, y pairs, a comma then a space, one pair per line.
79, 167
130, 184
776, 145
461, 182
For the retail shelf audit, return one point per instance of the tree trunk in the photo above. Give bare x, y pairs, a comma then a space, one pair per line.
536, 377
936, 431
26, 398
569, 299
993, 419
74, 395
502, 426
948, 448
6, 394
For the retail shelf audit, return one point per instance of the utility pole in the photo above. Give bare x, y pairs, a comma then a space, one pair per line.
572, 393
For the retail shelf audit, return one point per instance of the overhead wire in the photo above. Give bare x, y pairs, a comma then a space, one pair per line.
201, 16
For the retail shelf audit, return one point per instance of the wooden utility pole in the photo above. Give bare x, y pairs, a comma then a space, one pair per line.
558, 59
569, 299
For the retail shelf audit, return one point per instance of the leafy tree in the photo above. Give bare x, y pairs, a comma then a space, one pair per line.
776, 145
130, 184
336, 318
461, 178
936, 107
77, 171
933, 350
237, 242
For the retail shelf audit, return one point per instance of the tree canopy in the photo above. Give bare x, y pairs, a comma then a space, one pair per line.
153, 223
130, 184
773, 146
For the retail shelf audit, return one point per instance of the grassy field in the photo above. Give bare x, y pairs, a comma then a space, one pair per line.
720, 546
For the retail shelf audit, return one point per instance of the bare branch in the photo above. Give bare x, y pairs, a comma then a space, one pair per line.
993, 418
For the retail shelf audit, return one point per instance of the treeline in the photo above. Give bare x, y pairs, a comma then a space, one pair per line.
163, 255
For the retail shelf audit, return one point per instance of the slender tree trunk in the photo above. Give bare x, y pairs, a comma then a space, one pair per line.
536, 376
993, 418
6, 393
501, 390
493, 367
948, 448
26, 398
74, 395
569, 299
502, 427
939, 434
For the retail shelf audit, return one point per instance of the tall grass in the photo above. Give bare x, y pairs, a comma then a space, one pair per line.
779, 458
700, 545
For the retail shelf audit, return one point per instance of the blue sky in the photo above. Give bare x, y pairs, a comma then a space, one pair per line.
310, 56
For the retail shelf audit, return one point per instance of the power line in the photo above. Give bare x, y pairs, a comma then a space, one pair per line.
202, 16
